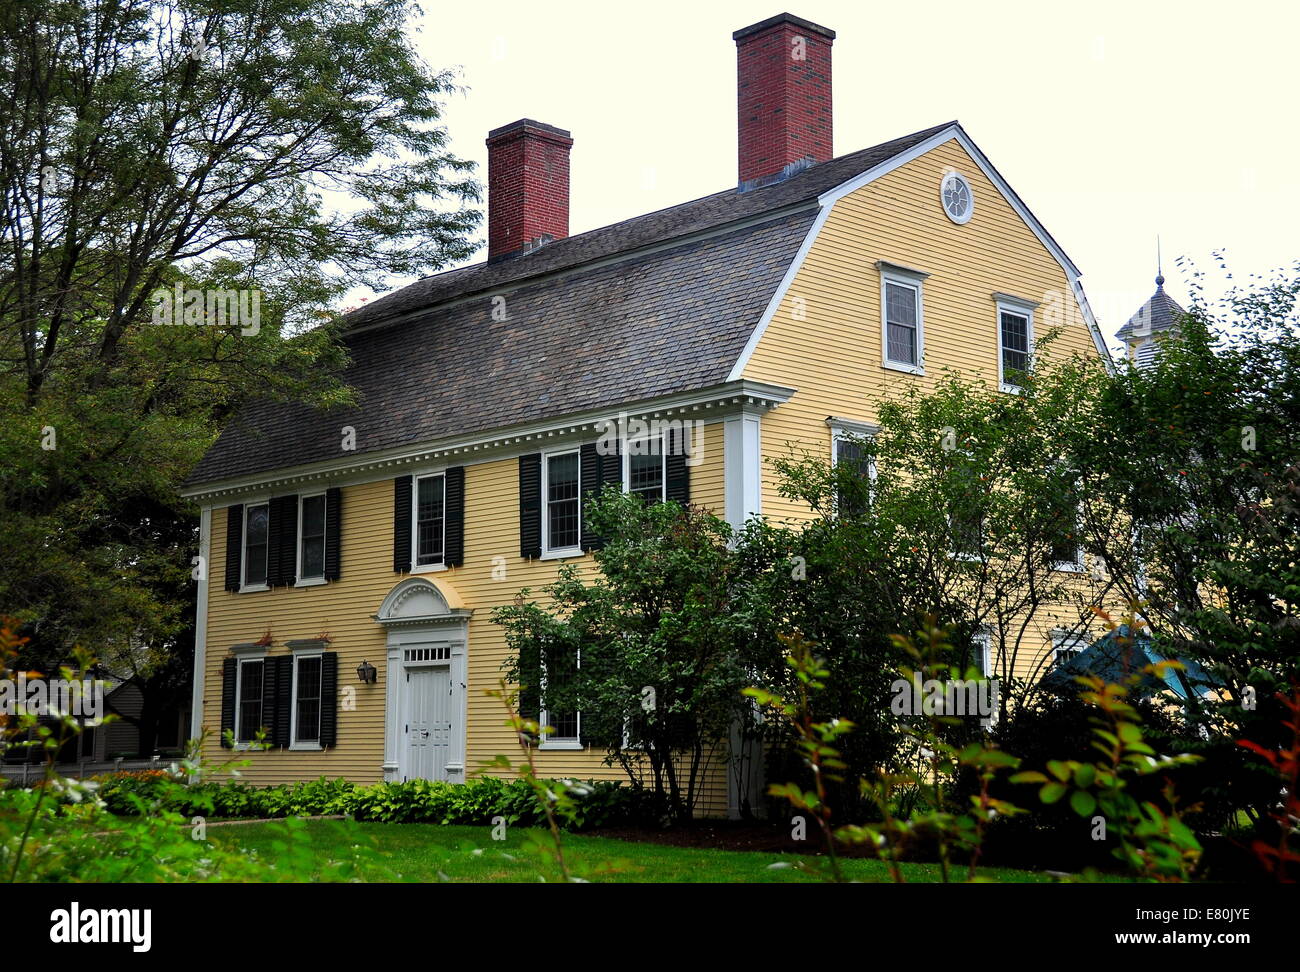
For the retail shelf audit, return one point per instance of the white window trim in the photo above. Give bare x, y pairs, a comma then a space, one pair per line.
244, 586
1075, 566
627, 465
310, 581
294, 744
970, 195
240, 659
549, 741
984, 640
1073, 642
1006, 303
966, 555
842, 428
901, 276
559, 553
418, 568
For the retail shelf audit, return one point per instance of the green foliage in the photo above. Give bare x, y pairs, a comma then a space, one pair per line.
665, 631
1152, 842
288, 147
603, 803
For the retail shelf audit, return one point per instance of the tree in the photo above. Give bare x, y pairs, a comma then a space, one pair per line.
1200, 453
652, 651
278, 150
966, 505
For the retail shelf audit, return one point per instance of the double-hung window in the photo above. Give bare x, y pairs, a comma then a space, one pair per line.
1015, 340
257, 535
850, 459
559, 667
1065, 551
645, 468
430, 533
1066, 645
902, 317
248, 699
311, 538
966, 512
561, 504
307, 670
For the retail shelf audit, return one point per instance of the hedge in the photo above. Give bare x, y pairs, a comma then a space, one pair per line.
414, 801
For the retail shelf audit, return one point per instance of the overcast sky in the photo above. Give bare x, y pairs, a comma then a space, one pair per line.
1114, 121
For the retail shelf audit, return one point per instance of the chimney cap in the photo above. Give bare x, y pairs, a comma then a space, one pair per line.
779, 19
524, 124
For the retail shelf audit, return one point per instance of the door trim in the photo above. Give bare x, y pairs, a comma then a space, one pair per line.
417, 615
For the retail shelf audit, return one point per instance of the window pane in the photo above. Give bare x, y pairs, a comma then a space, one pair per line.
313, 536
250, 700
562, 501
849, 455
561, 666
430, 520
1015, 346
307, 702
900, 323
645, 473
900, 305
256, 529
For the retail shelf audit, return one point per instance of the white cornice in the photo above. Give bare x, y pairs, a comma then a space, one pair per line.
708, 404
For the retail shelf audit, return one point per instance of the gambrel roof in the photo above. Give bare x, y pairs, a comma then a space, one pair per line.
651, 306
661, 304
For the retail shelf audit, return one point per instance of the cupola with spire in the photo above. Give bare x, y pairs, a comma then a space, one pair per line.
1153, 321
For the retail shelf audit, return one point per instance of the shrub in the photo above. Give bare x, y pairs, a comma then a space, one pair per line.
605, 803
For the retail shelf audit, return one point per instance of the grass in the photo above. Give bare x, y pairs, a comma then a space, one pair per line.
430, 852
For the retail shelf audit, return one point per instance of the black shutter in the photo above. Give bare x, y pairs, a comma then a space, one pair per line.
277, 700
589, 467
329, 698
402, 524
611, 466
282, 542
333, 536
229, 669
454, 510
677, 472
530, 505
234, 547
530, 680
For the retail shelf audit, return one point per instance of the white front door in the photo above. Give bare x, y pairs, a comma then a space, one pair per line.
428, 722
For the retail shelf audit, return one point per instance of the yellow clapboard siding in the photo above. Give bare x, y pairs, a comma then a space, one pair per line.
833, 356
344, 610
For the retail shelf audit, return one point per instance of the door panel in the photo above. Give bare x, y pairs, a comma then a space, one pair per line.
429, 723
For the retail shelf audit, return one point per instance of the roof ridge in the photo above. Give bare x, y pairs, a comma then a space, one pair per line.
567, 253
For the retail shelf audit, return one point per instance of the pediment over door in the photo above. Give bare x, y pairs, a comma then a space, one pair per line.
418, 600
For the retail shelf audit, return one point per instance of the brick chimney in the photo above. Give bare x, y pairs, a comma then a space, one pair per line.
528, 187
783, 73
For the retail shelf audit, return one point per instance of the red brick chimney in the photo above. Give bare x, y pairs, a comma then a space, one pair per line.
783, 72
528, 187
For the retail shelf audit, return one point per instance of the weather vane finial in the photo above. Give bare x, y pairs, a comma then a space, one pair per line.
1160, 266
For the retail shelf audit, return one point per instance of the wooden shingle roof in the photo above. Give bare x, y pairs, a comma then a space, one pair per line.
652, 306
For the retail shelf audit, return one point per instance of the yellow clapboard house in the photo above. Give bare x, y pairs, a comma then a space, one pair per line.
716, 334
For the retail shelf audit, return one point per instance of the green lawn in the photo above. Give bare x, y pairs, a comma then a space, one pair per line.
428, 852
